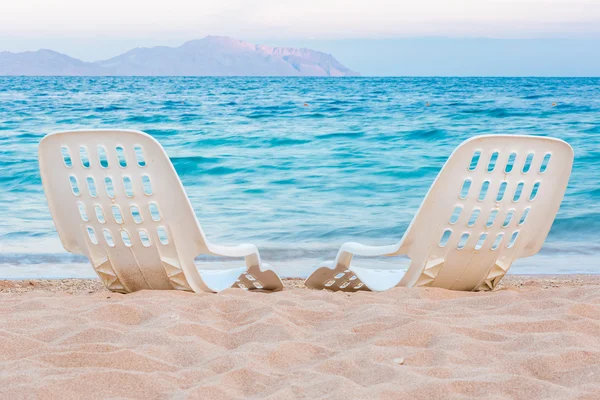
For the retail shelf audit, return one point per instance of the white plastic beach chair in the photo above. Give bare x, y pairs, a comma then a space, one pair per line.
115, 198
493, 202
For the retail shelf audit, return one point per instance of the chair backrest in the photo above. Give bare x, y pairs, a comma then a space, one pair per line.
115, 197
494, 201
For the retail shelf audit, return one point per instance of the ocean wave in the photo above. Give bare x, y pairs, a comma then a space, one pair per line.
583, 225
352, 165
339, 135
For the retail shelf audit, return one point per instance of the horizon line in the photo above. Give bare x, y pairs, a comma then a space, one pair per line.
310, 77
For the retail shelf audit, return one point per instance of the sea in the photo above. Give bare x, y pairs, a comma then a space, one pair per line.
298, 166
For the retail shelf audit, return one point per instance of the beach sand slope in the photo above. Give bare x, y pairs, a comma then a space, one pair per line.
535, 338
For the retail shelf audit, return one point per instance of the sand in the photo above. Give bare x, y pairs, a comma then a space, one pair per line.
534, 338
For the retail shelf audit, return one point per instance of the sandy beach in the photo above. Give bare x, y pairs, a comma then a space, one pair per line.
537, 337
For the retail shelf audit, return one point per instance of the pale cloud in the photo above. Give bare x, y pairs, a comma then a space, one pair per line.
297, 19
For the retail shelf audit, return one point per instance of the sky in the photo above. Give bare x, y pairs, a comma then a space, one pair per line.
94, 30
310, 18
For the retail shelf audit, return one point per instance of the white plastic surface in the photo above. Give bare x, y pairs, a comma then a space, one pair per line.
115, 198
454, 241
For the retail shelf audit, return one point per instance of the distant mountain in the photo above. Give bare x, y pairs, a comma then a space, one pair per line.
44, 63
211, 56
439, 56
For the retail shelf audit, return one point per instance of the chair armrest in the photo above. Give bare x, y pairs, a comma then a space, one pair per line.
241, 250
369, 251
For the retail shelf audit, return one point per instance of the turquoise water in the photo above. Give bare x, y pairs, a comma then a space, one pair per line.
298, 180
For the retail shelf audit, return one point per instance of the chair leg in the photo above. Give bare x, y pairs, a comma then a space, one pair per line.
493, 278
431, 270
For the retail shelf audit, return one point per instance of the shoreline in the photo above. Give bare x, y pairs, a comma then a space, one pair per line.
89, 286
